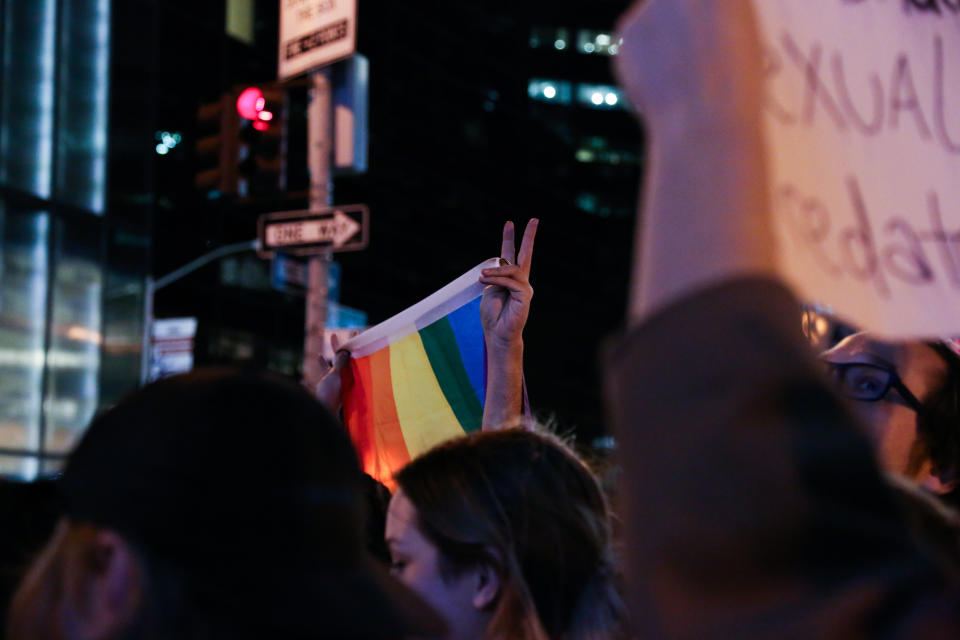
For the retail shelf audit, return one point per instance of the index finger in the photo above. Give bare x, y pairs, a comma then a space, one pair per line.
525, 258
508, 246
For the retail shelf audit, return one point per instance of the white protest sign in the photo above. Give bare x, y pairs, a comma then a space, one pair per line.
862, 117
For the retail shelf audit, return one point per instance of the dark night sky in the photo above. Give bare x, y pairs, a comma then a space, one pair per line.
456, 148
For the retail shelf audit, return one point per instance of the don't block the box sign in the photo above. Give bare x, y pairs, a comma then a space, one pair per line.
863, 127
315, 33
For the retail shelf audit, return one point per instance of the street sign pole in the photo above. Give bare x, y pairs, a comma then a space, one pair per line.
313, 36
319, 158
151, 286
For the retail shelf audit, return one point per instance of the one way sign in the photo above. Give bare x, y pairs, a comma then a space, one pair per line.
343, 228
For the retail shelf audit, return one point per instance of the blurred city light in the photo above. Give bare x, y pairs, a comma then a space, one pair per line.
597, 42
600, 96
250, 102
550, 90
167, 141
251, 105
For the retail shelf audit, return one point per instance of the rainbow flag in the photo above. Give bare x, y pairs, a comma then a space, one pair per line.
418, 378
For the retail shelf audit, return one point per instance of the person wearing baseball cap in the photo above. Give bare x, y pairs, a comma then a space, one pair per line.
217, 504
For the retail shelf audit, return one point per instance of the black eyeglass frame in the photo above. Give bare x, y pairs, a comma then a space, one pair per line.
839, 369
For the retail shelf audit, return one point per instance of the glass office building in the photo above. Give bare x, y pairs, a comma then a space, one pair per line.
69, 321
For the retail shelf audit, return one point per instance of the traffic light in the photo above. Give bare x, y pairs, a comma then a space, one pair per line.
261, 166
252, 105
241, 143
216, 148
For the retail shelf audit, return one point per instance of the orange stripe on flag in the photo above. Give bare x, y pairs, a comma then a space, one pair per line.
391, 448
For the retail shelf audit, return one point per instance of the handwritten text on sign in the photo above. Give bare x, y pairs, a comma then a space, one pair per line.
863, 125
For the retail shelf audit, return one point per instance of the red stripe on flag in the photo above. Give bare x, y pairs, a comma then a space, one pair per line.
357, 394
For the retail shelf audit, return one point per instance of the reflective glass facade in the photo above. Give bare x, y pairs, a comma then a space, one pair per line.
54, 103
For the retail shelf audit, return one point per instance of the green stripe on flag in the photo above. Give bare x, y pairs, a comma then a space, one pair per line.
441, 346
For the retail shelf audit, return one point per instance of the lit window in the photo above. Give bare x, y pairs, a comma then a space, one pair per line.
596, 142
167, 141
554, 91
240, 20
597, 42
596, 149
599, 96
556, 37
587, 202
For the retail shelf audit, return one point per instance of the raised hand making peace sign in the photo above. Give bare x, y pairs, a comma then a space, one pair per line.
506, 304
503, 313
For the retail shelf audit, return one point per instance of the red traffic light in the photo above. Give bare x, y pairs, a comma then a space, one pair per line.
250, 105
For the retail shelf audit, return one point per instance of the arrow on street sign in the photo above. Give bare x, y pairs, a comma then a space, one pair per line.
334, 230
343, 228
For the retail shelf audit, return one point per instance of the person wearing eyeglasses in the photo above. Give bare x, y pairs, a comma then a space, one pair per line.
907, 394
751, 503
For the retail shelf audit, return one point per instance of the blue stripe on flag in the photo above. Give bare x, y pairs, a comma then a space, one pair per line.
468, 332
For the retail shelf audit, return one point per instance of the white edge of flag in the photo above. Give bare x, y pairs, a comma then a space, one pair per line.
427, 311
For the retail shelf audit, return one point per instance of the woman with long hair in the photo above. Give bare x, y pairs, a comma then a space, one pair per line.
507, 535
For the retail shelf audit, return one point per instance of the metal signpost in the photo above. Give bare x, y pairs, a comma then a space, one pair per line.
313, 35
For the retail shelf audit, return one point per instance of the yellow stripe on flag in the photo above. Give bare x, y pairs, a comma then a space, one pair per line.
426, 418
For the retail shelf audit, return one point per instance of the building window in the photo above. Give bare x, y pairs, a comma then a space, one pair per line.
555, 91
588, 41
600, 96
597, 150
596, 205
239, 20
52, 250
24, 279
557, 38
598, 42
